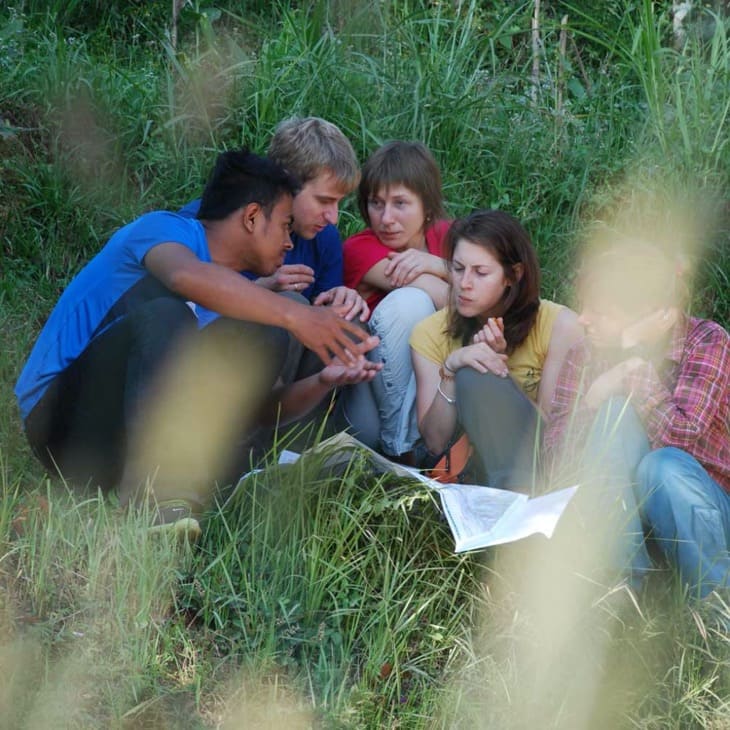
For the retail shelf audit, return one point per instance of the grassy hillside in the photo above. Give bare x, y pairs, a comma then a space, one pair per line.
321, 600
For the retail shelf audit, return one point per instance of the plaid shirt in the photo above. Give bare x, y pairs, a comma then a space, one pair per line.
682, 397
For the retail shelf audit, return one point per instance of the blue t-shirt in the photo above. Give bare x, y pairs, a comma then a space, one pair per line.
101, 293
323, 254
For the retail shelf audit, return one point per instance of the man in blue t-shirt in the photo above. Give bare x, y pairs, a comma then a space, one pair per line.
318, 154
122, 389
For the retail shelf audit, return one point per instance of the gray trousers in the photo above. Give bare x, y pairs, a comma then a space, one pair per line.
502, 425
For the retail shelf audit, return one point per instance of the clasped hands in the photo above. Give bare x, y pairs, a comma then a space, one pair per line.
487, 354
404, 267
611, 383
346, 302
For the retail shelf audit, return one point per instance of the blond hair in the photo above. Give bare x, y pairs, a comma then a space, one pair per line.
309, 146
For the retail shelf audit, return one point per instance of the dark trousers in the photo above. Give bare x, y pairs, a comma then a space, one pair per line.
501, 424
136, 408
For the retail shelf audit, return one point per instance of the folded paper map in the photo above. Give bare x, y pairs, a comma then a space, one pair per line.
478, 516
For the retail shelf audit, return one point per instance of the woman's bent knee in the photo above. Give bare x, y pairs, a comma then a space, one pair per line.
470, 381
402, 308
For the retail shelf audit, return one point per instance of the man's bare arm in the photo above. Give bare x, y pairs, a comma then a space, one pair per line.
225, 291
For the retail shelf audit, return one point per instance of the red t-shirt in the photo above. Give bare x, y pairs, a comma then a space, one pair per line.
363, 250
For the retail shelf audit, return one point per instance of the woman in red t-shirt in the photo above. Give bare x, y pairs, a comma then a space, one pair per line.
396, 265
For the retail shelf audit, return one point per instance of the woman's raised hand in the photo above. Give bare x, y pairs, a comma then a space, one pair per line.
492, 334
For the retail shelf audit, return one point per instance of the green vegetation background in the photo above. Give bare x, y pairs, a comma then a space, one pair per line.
320, 600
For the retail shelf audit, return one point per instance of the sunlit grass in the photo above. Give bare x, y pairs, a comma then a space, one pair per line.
319, 599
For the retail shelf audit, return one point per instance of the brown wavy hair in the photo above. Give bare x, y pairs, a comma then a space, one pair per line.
505, 238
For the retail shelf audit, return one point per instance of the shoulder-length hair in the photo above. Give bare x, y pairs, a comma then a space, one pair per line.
403, 163
505, 238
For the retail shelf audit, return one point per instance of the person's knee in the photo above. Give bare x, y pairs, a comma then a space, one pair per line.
165, 314
253, 336
406, 297
617, 433
659, 466
470, 382
483, 396
402, 309
664, 477
261, 347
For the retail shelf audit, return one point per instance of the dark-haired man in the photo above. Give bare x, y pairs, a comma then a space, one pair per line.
319, 155
92, 381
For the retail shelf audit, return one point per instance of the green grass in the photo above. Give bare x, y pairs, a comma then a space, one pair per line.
315, 599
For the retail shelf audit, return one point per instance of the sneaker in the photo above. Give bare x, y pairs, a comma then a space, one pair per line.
178, 517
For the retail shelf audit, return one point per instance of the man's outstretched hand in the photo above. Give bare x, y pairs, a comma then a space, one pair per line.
337, 373
323, 331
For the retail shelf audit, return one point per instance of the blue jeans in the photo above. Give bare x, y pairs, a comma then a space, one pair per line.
665, 492
616, 445
383, 412
688, 516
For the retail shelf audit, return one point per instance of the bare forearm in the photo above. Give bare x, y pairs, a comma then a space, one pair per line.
439, 422
225, 291
436, 288
232, 295
437, 267
296, 400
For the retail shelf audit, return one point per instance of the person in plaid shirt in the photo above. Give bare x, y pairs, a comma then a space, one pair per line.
644, 400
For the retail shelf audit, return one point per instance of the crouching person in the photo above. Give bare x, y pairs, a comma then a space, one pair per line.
487, 363
397, 264
645, 398
124, 391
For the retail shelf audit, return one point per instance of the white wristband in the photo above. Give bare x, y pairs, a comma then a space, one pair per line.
449, 400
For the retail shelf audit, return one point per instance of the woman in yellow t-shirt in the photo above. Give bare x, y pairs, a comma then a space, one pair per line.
489, 361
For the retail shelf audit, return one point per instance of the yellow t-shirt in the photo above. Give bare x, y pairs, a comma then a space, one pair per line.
429, 339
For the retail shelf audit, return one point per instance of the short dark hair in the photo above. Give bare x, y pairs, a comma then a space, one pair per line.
403, 163
240, 177
505, 238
